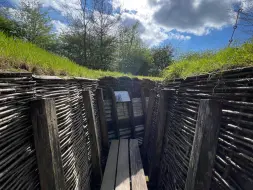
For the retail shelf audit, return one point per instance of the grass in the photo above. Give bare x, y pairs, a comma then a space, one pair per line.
208, 62
19, 56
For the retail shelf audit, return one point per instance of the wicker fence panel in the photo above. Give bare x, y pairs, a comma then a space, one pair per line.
180, 127
18, 165
73, 132
234, 159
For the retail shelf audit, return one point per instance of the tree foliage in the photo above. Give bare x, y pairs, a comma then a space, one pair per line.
8, 26
132, 55
162, 58
29, 23
35, 23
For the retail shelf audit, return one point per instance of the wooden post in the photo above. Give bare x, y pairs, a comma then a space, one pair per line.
114, 113
148, 119
162, 111
46, 140
92, 128
204, 145
131, 116
143, 102
103, 125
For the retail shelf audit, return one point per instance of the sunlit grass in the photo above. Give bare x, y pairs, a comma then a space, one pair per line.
208, 62
17, 55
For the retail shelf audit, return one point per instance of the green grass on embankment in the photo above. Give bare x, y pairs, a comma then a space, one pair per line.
208, 62
19, 56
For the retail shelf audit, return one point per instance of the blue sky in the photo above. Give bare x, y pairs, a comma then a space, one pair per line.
213, 41
189, 25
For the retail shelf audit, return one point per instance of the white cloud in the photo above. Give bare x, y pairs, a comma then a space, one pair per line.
247, 5
131, 4
166, 19
151, 32
63, 6
178, 36
196, 17
59, 26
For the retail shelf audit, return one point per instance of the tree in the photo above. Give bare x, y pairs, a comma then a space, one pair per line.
162, 58
71, 46
80, 18
132, 56
137, 62
34, 24
90, 31
105, 22
7, 26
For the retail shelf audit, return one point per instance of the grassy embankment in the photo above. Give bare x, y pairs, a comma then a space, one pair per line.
208, 62
19, 56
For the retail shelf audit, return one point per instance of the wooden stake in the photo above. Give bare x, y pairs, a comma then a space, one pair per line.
103, 125
143, 103
92, 128
149, 119
46, 139
131, 116
162, 112
204, 145
114, 113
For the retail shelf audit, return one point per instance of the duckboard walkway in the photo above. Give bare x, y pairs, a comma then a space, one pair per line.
124, 170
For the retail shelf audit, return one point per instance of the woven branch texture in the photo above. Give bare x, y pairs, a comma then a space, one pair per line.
18, 165
233, 168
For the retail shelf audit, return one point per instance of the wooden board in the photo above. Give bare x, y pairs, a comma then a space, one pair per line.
110, 170
159, 136
204, 145
148, 119
47, 144
102, 119
92, 128
114, 113
122, 179
137, 172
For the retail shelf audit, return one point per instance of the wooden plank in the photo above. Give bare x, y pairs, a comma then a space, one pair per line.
123, 178
46, 139
162, 110
204, 145
114, 113
92, 128
148, 119
137, 173
111, 167
101, 111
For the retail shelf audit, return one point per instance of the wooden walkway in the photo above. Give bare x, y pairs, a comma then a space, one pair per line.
124, 167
